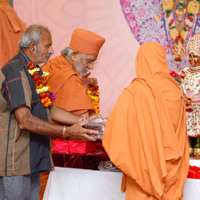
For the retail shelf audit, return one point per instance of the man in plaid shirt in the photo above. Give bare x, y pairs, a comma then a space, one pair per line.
25, 124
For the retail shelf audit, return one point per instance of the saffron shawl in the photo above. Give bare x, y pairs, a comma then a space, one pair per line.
146, 131
66, 83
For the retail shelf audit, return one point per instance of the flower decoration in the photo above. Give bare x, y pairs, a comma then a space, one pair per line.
183, 74
193, 7
180, 10
180, 79
179, 37
168, 5
93, 93
42, 88
176, 76
188, 99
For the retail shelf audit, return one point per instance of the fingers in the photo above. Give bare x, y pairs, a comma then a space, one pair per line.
86, 75
77, 129
87, 130
83, 137
93, 80
83, 123
87, 137
92, 132
78, 132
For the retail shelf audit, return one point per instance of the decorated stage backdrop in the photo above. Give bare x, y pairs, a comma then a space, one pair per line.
169, 22
126, 24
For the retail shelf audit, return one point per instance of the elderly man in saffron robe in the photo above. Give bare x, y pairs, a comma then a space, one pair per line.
68, 70
146, 134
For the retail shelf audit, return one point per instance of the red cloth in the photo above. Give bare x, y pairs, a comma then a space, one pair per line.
81, 161
75, 154
194, 172
74, 146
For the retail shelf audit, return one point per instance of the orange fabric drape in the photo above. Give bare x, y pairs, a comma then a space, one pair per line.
70, 93
11, 29
145, 135
65, 82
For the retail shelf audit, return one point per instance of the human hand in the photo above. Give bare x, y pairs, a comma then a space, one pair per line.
77, 132
86, 80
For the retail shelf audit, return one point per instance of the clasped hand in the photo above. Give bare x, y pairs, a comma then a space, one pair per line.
77, 132
86, 80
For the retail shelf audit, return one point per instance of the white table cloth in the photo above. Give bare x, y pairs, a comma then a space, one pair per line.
82, 184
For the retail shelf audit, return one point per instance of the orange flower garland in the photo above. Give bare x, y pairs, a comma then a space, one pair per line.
42, 88
93, 93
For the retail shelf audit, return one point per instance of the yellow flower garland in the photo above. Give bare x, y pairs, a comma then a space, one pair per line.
93, 93
42, 88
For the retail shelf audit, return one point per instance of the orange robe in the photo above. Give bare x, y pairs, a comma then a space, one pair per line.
145, 135
70, 94
11, 29
66, 83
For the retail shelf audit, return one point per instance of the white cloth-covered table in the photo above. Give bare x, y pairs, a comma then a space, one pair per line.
82, 184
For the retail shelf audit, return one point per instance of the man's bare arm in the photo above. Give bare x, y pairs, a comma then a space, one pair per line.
65, 117
31, 123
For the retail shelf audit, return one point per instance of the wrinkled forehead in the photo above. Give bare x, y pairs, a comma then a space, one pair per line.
46, 38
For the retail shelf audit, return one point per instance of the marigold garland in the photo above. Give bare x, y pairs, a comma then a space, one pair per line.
93, 93
42, 88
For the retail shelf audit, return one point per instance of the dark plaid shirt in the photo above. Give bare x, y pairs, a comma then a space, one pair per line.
21, 152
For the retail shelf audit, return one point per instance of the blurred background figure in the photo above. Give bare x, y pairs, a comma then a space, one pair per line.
11, 29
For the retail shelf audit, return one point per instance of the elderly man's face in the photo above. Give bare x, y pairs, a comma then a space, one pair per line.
44, 49
85, 63
194, 59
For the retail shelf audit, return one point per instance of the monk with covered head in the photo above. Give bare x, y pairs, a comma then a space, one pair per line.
146, 135
69, 72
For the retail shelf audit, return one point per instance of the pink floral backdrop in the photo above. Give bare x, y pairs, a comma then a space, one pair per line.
126, 24
141, 19
115, 67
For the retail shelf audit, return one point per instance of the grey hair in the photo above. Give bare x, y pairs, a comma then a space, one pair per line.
67, 52
33, 33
